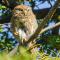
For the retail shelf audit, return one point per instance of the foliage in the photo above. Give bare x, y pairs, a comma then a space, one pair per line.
5, 14
49, 45
45, 49
54, 40
24, 55
2, 7
6, 40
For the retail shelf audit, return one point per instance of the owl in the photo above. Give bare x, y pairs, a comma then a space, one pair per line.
23, 22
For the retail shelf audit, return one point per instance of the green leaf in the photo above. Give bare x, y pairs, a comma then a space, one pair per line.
2, 7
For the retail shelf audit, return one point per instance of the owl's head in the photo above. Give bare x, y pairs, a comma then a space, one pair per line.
23, 7
22, 10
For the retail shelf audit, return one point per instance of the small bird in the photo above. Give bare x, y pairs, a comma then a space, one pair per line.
23, 22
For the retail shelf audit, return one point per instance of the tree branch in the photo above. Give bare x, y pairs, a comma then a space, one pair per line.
49, 27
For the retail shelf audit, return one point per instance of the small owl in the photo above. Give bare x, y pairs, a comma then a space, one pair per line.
23, 22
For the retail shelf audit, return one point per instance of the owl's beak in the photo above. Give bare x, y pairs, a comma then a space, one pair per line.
25, 12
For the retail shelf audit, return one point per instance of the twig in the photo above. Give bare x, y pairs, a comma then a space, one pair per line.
49, 27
